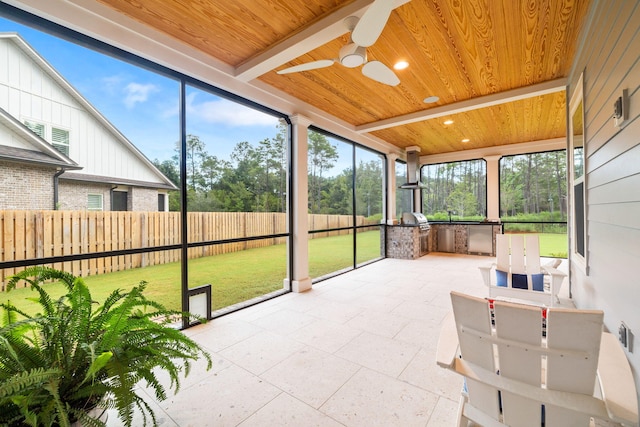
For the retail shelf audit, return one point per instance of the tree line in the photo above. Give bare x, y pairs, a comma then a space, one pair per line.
254, 178
531, 185
458, 189
534, 184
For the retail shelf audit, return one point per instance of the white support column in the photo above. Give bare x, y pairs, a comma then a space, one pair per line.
300, 281
391, 189
493, 187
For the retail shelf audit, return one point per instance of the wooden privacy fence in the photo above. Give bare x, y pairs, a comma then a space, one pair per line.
41, 234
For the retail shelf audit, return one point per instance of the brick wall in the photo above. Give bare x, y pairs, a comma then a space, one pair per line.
74, 195
30, 187
403, 242
143, 199
25, 186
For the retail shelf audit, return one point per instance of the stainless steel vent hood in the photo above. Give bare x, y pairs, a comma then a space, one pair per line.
413, 169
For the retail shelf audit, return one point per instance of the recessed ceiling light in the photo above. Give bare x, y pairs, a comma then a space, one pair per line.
401, 65
431, 99
465, 140
448, 122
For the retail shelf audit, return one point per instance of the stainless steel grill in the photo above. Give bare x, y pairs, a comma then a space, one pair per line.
416, 218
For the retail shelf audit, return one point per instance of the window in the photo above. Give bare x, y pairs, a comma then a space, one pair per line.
59, 137
37, 128
235, 154
94, 202
455, 191
60, 140
346, 198
533, 187
533, 198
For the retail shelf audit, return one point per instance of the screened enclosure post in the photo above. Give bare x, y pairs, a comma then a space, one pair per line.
299, 228
493, 187
390, 206
184, 275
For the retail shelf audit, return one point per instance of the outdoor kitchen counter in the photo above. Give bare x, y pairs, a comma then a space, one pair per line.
464, 237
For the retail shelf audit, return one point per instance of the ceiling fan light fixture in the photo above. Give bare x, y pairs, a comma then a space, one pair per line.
352, 55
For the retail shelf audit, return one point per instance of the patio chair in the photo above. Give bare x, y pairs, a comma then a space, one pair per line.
521, 277
519, 372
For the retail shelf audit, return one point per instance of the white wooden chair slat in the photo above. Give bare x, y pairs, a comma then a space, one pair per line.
517, 254
580, 331
502, 252
532, 255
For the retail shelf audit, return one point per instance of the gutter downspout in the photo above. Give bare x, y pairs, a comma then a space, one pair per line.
55, 188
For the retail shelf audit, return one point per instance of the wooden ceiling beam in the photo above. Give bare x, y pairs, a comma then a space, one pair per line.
539, 89
311, 37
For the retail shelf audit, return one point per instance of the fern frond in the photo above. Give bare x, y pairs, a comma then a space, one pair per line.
41, 274
85, 419
11, 313
61, 409
23, 381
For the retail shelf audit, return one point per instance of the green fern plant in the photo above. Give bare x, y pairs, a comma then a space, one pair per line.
76, 353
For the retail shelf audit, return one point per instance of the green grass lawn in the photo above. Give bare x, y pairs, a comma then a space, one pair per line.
235, 277
552, 244
240, 276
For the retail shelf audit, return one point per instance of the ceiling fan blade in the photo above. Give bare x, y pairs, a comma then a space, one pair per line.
307, 66
370, 26
379, 72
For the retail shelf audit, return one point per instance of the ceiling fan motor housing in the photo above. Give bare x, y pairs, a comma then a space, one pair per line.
352, 55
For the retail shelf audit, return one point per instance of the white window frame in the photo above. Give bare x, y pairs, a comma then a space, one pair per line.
99, 197
61, 146
46, 131
577, 101
36, 127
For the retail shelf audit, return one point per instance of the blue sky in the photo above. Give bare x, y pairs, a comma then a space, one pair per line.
144, 105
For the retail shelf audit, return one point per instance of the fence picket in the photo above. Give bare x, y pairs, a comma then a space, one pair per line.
47, 233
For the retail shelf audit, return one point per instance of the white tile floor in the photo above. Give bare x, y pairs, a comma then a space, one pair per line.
356, 350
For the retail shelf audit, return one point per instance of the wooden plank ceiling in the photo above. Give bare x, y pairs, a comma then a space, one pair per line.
462, 51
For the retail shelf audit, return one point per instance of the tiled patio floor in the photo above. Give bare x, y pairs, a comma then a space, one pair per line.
356, 350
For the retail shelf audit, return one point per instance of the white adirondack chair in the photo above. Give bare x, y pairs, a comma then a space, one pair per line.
518, 274
521, 373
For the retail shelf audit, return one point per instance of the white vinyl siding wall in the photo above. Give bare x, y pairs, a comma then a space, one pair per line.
610, 60
28, 92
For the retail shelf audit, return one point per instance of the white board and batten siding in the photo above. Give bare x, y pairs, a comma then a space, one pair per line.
610, 60
28, 92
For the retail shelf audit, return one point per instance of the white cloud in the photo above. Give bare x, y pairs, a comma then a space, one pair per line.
136, 92
111, 84
228, 113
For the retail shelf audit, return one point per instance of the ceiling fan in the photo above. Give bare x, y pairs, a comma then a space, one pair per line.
364, 33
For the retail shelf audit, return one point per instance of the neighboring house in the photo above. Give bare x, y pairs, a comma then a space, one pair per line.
58, 152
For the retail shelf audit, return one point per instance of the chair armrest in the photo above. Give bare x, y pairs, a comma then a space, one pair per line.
447, 351
616, 382
557, 278
485, 271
